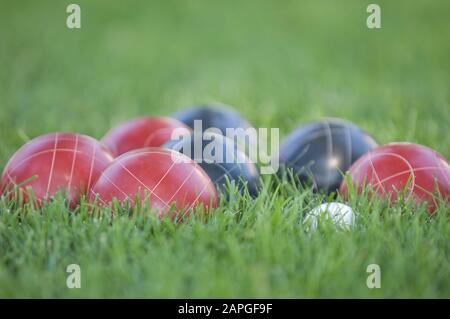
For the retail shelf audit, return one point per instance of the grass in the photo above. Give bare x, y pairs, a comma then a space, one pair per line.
280, 65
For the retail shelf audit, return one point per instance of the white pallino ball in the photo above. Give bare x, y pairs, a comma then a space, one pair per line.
341, 215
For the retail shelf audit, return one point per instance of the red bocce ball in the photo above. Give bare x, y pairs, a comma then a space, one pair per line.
142, 132
53, 162
157, 176
420, 172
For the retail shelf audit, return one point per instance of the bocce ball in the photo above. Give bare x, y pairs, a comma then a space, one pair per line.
167, 180
418, 171
341, 215
221, 159
219, 117
321, 152
142, 132
53, 162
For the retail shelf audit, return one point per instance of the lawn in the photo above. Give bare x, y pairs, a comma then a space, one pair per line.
281, 64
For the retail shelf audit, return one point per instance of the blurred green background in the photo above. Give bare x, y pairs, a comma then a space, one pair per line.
281, 64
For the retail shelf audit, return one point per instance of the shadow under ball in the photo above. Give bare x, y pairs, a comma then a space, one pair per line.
240, 171
320, 153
